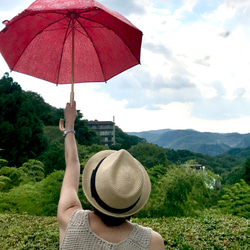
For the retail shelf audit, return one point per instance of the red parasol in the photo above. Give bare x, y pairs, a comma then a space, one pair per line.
70, 42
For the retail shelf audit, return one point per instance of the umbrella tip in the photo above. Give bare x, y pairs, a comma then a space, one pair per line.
5, 22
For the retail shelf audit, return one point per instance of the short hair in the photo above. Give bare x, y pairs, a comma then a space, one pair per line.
110, 220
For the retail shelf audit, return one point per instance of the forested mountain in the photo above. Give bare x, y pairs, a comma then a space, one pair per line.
200, 142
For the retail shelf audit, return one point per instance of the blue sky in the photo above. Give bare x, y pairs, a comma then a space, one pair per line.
194, 71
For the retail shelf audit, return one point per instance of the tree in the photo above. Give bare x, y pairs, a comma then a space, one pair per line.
3, 163
35, 198
4, 183
21, 131
10, 177
49, 115
84, 135
53, 157
181, 191
155, 173
149, 154
235, 175
32, 171
236, 200
247, 171
180, 184
50, 192
125, 141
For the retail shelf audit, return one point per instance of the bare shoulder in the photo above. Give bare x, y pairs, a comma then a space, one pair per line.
63, 218
156, 242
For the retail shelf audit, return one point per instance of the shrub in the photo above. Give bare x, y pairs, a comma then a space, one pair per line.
9, 177
236, 200
212, 230
182, 191
39, 198
28, 232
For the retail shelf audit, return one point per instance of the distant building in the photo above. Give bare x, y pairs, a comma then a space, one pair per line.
198, 167
105, 129
215, 184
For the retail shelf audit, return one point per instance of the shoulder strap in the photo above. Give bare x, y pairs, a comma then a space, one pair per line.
79, 217
141, 235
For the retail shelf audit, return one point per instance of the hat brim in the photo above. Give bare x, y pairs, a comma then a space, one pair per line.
86, 185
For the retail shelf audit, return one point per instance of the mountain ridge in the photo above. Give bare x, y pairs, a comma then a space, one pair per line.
210, 143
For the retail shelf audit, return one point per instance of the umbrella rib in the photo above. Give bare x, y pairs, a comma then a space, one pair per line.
60, 62
94, 48
128, 47
89, 19
59, 21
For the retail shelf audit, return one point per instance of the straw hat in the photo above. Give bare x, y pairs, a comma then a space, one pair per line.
115, 183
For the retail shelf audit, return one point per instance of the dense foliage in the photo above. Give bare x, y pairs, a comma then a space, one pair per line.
180, 191
23, 116
125, 141
28, 232
21, 134
149, 154
231, 166
236, 200
211, 230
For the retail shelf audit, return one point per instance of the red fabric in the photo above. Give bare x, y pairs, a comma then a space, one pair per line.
38, 42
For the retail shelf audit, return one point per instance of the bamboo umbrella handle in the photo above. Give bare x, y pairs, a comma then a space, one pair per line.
61, 125
72, 96
61, 121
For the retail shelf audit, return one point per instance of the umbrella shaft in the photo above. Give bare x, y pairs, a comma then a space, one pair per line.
73, 54
73, 64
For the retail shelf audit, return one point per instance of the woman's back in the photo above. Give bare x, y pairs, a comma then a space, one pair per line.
87, 231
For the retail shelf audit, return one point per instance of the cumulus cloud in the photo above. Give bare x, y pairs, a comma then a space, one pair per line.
239, 93
142, 90
158, 49
219, 108
172, 76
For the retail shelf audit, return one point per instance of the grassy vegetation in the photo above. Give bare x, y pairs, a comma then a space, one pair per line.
214, 231
28, 232
209, 231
